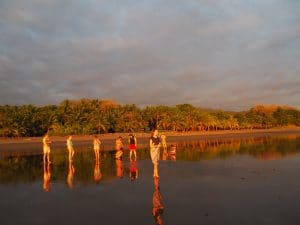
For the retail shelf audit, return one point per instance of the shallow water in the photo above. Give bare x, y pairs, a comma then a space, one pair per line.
247, 181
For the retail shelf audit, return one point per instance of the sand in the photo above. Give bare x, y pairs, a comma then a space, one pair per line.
33, 145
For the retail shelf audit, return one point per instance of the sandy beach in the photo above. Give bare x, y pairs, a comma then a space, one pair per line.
33, 145
227, 185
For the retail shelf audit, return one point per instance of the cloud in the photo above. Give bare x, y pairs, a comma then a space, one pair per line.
208, 53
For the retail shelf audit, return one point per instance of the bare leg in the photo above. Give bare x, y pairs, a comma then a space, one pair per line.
70, 155
155, 170
48, 157
97, 155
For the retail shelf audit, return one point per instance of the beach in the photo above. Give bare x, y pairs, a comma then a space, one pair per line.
33, 145
231, 181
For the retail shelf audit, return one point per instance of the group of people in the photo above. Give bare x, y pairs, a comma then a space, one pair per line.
71, 151
156, 141
132, 141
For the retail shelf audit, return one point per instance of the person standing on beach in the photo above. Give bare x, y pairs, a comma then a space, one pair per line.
155, 143
46, 148
119, 147
70, 147
163, 138
97, 144
132, 146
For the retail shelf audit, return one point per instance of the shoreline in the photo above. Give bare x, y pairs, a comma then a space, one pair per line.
33, 146
113, 136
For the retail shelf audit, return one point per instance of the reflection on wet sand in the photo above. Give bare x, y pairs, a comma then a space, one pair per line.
71, 173
119, 168
261, 148
265, 148
97, 172
157, 203
172, 152
165, 155
235, 177
47, 177
133, 170
169, 154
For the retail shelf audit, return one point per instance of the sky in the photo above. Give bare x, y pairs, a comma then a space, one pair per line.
229, 54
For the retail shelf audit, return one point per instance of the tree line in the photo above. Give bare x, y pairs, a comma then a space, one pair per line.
96, 116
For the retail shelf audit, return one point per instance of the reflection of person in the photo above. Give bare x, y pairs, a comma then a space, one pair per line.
165, 155
97, 144
97, 172
119, 168
133, 170
172, 152
164, 141
157, 203
71, 173
119, 147
132, 146
70, 147
164, 144
47, 177
46, 148
154, 151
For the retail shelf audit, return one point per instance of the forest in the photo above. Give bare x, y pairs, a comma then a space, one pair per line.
97, 116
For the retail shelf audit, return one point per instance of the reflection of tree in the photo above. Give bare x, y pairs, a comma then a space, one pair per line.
262, 147
27, 169
20, 169
269, 155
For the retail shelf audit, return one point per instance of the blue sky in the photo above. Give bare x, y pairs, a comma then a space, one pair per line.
229, 54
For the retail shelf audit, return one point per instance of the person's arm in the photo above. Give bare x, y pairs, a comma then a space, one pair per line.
47, 141
135, 141
159, 143
151, 143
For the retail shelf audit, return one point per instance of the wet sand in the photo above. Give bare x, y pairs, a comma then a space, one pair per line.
239, 190
33, 145
234, 190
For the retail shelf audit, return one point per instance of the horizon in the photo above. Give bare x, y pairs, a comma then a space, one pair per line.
169, 105
229, 55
